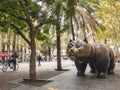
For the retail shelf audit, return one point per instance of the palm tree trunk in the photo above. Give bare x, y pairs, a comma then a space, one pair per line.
72, 29
49, 52
83, 29
59, 67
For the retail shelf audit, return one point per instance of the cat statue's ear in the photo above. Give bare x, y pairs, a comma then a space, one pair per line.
70, 40
85, 40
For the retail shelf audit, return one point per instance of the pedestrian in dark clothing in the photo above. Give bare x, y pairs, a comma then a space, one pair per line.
13, 57
39, 58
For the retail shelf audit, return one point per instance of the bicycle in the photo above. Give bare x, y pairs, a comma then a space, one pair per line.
9, 64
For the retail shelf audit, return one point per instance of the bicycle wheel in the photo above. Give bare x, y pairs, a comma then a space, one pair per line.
4, 68
17, 66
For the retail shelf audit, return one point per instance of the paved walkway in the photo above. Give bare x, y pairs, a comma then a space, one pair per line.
69, 81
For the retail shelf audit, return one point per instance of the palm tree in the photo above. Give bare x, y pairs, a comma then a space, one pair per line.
84, 19
55, 8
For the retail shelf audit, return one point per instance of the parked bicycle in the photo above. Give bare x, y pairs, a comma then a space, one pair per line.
9, 64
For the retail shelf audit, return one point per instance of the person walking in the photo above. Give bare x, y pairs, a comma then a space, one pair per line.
39, 58
13, 57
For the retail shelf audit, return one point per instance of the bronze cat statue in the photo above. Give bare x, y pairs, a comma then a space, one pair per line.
100, 58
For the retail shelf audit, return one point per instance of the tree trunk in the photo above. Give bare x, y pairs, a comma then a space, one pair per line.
2, 43
59, 67
116, 51
32, 69
3, 46
72, 29
83, 29
9, 39
14, 43
49, 53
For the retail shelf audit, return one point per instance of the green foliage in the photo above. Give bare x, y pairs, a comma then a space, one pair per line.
89, 5
70, 9
109, 16
15, 12
51, 12
41, 36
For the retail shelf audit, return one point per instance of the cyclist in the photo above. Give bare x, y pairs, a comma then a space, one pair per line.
13, 58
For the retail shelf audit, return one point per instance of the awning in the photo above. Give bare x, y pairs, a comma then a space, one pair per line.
4, 54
